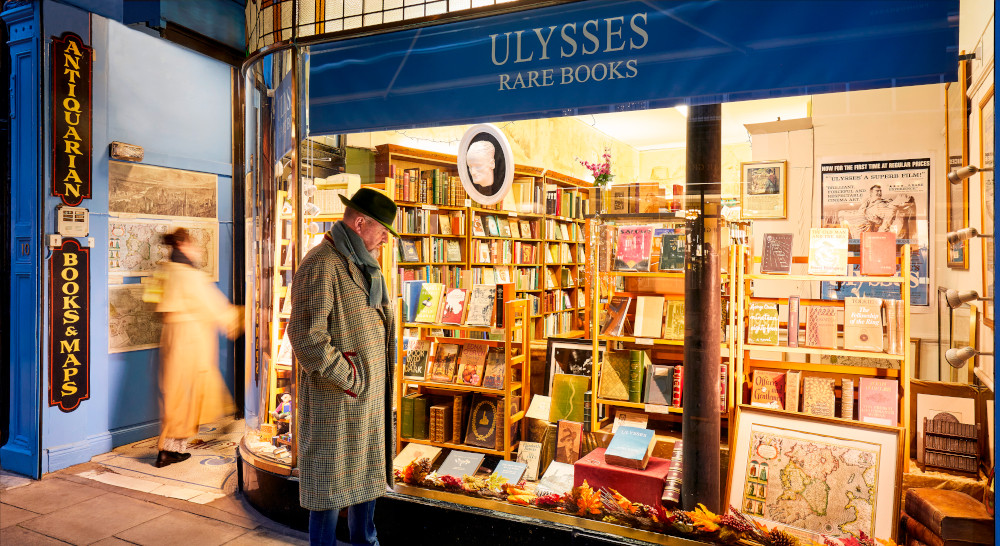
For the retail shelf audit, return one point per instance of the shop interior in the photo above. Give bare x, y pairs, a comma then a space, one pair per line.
567, 355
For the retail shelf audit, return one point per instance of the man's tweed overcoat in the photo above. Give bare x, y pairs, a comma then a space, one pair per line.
345, 443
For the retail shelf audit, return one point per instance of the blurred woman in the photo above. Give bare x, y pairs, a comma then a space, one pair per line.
192, 390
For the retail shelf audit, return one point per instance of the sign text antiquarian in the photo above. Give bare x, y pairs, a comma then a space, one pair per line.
71, 119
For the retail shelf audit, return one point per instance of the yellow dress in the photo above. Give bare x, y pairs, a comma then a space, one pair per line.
192, 390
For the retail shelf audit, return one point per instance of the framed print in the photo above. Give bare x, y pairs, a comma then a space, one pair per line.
963, 323
957, 144
814, 476
571, 356
485, 164
764, 189
987, 147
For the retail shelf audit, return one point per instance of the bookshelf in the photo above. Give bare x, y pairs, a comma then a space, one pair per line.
514, 340
280, 355
665, 345
815, 361
565, 236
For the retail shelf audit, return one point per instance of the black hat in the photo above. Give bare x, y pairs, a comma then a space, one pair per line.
373, 203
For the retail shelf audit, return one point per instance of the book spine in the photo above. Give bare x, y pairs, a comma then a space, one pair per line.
420, 430
456, 423
672, 488
635, 376
407, 425
586, 410
793, 321
917, 530
847, 398
678, 386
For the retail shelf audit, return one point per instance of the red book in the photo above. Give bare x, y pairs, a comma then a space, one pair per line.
453, 307
878, 401
678, 386
878, 253
768, 389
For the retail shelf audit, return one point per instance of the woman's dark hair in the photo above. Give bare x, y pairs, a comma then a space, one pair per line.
179, 235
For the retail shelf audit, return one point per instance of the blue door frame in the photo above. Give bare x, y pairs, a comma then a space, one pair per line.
21, 452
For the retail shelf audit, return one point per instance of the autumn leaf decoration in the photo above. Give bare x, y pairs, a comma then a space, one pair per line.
588, 501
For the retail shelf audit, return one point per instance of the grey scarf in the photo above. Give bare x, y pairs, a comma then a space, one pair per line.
350, 244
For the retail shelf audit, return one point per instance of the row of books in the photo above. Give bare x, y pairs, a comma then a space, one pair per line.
557, 230
647, 197
430, 222
654, 317
878, 399
473, 364
433, 303
828, 252
499, 251
631, 376
562, 278
430, 250
566, 202
432, 186
524, 278
561, 253
470, 419
448, 275
489, 225
640, 248
557, 324
865, 320
558, 300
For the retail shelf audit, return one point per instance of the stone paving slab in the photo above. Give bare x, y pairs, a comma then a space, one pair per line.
12, 515
95, 519
22, 537
181, 529
49, 494
263, 537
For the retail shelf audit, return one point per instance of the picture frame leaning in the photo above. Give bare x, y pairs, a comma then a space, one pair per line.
764, 190
859, 492
570, 356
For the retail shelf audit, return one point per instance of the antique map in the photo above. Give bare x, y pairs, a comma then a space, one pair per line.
811, 486
144, 190
132, 323
134, 247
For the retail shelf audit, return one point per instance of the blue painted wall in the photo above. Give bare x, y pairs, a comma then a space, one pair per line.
176, 104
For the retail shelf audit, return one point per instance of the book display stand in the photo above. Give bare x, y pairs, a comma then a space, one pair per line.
511, 398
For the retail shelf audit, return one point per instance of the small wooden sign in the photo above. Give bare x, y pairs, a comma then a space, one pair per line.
69, 328
72, 142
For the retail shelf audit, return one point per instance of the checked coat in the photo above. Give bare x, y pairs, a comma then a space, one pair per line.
346, 352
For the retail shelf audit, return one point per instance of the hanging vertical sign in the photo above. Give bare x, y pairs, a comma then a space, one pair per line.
71, 119
69, 326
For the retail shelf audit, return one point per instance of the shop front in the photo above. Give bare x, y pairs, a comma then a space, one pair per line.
634, 278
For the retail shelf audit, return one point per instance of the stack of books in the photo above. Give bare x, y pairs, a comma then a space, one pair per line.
938, 517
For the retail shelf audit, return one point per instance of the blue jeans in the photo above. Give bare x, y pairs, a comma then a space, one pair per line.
360, 521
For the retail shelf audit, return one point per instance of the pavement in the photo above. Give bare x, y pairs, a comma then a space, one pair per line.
94, 504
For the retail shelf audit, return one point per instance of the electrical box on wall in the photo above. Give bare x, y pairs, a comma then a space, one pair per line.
72, 221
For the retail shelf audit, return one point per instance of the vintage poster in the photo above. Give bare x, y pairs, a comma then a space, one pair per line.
879, 195
157, 192
132, 323
135, 249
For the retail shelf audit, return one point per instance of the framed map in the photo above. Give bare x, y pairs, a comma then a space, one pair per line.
158, 192
135, 249
132, 323
986, 149
814, 476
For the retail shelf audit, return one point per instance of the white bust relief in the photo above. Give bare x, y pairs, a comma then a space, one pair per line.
481, 163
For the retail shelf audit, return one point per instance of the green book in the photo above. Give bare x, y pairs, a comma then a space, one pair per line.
406, 430
420, 417
638, 360
672, 252
567, 397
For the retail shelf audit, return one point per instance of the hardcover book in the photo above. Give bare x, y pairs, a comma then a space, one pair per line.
480, 306
411, 298
454, 251
648, 316
481, 430
776, 257
558, 479
444, 223
863, 324
445, 363
793, 321
763, 325
530, 453
660, 384
630, 447
828, 251
618, 197
567, 396
460, 408
951, 515
409, 247
461, 463
629, 419
678, 398
818, 397
633, 248
526, 232
847, 398
671, 252
638, 362
493, 375
614, 316
673, 326
878, 401
415, 365
614, 376
793, 382
421, 411
453, 306
570, 439
429, 302
472, 363
510, 471
477, 226
492, 228
878, 253
406, 419
515, 230
504, 227
890, 322
768, 389
415, 452
821, 327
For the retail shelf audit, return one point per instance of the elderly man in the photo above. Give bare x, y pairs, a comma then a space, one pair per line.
342, 332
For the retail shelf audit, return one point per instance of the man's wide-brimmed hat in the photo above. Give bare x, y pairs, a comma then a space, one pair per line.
375, 204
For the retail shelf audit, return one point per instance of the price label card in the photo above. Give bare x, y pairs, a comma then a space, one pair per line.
643, 341
468, 202
428, 207
656, 408
512, 214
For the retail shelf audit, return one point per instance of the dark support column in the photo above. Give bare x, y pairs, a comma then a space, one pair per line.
702, 315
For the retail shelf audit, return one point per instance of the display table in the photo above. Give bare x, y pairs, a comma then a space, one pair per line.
643, 486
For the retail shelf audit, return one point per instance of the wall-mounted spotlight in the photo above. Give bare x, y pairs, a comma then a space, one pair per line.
126, 152
958, 357
956, 298
956, 176
955, 237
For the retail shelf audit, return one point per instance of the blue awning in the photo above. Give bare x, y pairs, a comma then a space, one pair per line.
600, 56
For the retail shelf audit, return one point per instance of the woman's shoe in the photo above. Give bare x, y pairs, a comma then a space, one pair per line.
170, 457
